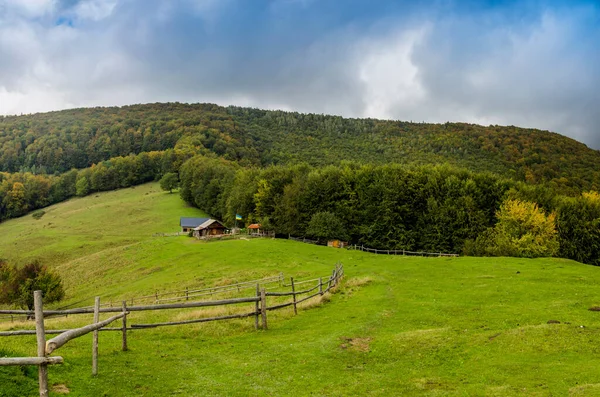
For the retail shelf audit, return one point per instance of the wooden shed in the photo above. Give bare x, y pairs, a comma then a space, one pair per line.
209, 228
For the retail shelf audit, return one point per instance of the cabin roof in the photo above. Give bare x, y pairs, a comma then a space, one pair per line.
207, 223
254, 226
191, 222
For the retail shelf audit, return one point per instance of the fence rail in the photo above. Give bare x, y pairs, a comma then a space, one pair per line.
174, 234
46, 347
165, 296
399, 252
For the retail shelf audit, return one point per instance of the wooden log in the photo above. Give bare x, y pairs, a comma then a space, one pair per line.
294, 295
31, 361
257, 309
41, 342
63, 338
279, 306
22, 332
307, 298
263, 308
124, 327
138, 308
321, 285
199, 320
95, 337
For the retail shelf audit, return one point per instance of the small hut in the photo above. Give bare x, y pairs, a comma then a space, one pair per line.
337, 244
209, 228
254, 229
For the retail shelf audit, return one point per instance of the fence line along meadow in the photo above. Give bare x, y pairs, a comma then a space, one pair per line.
399, 252
260, 308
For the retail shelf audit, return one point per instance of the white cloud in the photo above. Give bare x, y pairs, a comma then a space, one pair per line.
390, 78
541, 74
95, 10
27, 8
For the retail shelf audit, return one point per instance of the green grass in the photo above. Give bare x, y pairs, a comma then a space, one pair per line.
397, 326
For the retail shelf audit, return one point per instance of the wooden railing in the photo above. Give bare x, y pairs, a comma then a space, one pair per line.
259, 312
399, 252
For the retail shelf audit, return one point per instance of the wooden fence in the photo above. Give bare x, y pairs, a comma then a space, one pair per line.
177, 295
303, 240
259, 312
174, 234
399, 252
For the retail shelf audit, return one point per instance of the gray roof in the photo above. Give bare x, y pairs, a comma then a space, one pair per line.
206, 224
191, 222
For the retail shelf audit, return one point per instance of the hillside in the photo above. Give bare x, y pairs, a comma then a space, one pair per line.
398, 325
58, 141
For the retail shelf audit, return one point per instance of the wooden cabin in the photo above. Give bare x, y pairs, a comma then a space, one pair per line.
209, 228
188, 224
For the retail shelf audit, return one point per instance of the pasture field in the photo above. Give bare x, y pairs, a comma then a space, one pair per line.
396, 326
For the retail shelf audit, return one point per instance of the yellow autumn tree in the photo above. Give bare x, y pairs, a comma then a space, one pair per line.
524, 230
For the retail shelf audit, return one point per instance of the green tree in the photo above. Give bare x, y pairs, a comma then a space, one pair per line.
169, 182
17, 284
82, 187
326, 226
523, 230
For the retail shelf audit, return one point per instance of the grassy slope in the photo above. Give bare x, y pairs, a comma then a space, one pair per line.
420, 326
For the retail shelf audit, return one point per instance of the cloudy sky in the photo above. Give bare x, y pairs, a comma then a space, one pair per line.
527, 63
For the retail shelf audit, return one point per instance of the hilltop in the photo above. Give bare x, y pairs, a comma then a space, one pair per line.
77, 138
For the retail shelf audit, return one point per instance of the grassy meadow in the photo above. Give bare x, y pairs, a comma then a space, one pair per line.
396, 326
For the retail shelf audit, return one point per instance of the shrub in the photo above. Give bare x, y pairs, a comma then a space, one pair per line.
38, 214
17, 284
523, 230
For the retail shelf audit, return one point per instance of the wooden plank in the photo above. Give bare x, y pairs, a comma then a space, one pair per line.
63, 338
307, 298
124, 327
263, 308
200, 320
41, 342
321, 285
49, 331
256, 308
139, 308
31, 361
294, 295
95, 337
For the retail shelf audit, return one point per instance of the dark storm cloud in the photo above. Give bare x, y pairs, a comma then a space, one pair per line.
535, 66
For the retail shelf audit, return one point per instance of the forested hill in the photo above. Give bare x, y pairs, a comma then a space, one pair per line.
59, 141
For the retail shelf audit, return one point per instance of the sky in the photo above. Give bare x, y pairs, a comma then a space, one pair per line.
525, 63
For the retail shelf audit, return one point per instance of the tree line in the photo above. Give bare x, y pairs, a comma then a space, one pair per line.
430, 208
23, 192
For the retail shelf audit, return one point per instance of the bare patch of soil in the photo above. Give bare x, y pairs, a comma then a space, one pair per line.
357, 344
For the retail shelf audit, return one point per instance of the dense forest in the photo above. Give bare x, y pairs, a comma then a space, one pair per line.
450, 187
60, 141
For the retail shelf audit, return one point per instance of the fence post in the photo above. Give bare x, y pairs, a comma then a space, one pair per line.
186, 293
321, 285
333, 277
95, 337
294, 295
124, 345
156, 295
41, 342
263, 308
256, 306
